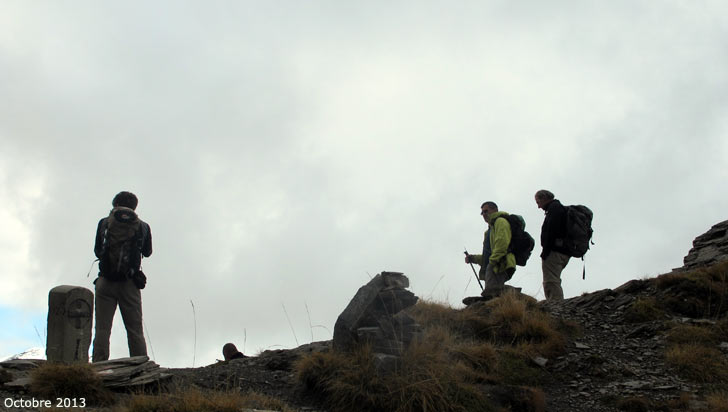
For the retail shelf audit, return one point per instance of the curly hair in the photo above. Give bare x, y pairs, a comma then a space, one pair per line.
125, 199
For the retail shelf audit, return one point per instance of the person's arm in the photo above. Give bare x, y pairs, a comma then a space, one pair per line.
99, 244
481, 259
147, 243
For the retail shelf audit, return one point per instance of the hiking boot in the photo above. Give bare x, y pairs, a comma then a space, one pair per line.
488, 294
472, 299
508, 288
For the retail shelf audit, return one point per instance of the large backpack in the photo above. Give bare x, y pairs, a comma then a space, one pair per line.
521, 241
121, 255
578, 230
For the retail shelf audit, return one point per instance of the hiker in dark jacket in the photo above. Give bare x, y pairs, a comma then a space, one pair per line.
554, 257
115, 286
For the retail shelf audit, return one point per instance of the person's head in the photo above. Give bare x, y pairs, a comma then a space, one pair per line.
487, 208
543, 198
229, 350
125, 199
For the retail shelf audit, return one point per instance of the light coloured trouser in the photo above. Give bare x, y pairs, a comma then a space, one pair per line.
552, 267
129, 299
494, 282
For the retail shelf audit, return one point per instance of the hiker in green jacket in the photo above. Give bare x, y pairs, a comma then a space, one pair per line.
501, 264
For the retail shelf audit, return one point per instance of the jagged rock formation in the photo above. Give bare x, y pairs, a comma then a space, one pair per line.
709, 248
375, 316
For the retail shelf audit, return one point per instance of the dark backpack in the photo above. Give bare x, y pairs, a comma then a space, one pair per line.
521, 241
578, 230
121, 254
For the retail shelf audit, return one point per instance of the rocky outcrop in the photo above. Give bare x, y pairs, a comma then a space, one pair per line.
130, 372
133, 372
375, 316
616, 356
709, 248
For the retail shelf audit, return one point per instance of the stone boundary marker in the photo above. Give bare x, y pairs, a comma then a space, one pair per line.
70, 316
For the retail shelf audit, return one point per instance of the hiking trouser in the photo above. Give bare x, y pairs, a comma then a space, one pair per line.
494, 282
109, 295
552, 267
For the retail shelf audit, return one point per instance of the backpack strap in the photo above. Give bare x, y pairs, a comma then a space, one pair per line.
92, 266
140, 235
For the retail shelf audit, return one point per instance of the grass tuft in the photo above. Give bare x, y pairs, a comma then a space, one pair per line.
644, 310
697, 362
516, 368
425, 380
689, 334
718, 402
488, 343
634, 404
78, 380
194, 400
698, 293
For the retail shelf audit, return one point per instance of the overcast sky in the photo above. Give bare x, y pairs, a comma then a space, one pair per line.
285, 152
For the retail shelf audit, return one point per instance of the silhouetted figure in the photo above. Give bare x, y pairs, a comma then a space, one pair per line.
121, 241
554, 256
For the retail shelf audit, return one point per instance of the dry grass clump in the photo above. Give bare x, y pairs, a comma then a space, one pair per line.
634, 404
480, 356
721, 329
425, 379
698, 293
433, 314
194, 400
512, 320
462, 351
690, 334
693, 349
515, 367
78, 380
644, 310
698, 362
718, 402
519, 398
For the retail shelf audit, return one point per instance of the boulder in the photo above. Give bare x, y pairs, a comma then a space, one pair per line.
375, 316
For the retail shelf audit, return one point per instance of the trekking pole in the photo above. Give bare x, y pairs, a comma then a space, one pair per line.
473, 267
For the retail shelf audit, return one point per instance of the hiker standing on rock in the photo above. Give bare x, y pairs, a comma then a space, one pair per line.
121, 240
554, 256
497, 264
